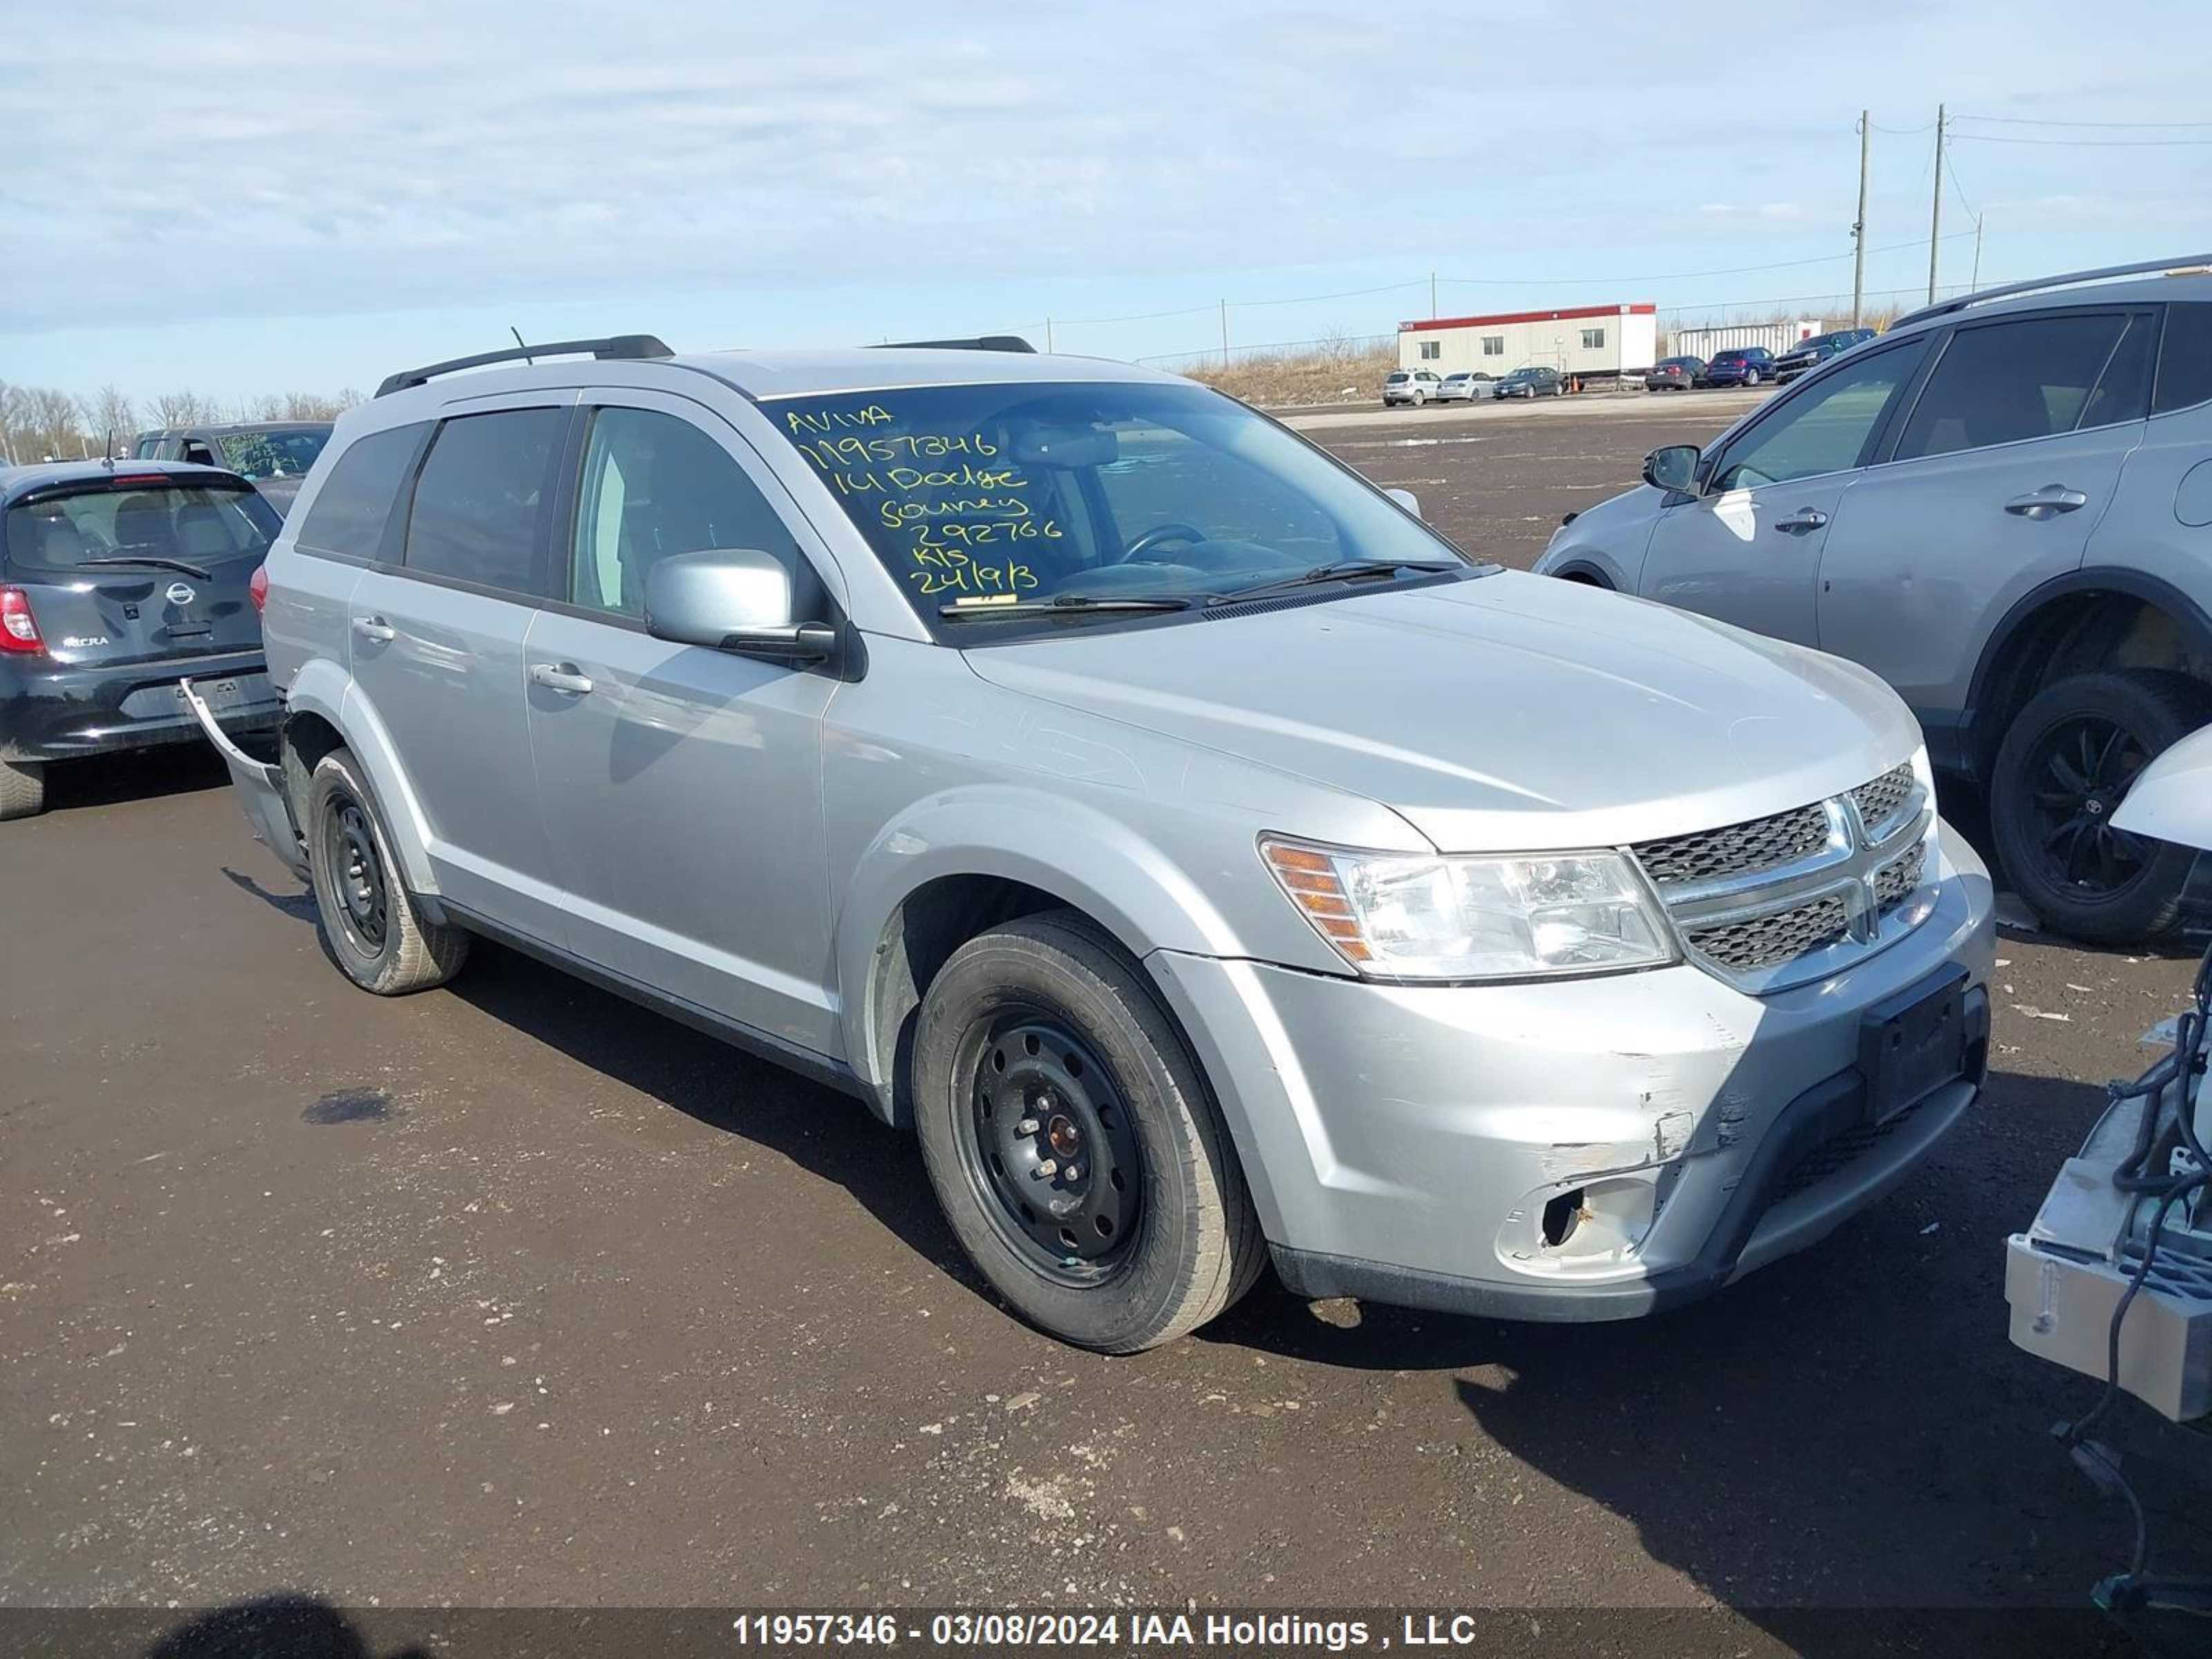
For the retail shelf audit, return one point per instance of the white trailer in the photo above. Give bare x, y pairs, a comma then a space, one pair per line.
1777, 337
1593, 342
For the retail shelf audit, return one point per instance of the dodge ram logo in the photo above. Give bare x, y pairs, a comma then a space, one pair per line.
181, 594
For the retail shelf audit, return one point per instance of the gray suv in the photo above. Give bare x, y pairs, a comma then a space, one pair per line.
2003, 507
1210, 864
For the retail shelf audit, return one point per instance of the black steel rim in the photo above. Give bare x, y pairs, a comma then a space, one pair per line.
2078, 775
1050, 1147
355, 874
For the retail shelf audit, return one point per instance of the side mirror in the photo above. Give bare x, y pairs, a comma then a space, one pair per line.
1674, 467
1407, 499
737, 599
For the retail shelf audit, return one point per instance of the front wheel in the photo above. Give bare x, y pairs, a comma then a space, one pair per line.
23, 789
370, 924
2065, 765
1750, 378
1073, 1141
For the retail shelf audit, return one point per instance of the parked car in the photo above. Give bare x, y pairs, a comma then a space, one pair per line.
2002, 506
1738, 366
115, 582
1411, 386
1531, 382
1674, 374
1466, 386
275, 455
1812, 353
1047, 816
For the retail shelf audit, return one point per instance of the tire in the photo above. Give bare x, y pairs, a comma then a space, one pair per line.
1419, 399
1750, 379
369, 923
1128, 1145
2056, 842
23, 789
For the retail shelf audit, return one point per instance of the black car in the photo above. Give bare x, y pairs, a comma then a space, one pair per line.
275, 455
1811, 353
116, 581
1674, 373
1738, 366
1532, 382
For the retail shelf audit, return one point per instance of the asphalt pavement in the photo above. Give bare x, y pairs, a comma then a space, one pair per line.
511, 1293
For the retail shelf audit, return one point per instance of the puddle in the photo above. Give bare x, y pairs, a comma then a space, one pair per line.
351, 1106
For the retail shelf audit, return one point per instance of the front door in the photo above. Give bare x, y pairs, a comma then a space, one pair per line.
1748, 548
1990, 488
682, 786
437, 660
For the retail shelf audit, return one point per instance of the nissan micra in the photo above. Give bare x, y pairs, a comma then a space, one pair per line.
1212, 864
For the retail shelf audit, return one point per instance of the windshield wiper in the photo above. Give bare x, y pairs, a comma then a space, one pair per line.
1342, 570
177, 565
1065, 605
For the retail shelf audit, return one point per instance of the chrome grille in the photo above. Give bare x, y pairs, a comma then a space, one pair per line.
1884, 798
1738, 849
1896, 880
1779, 937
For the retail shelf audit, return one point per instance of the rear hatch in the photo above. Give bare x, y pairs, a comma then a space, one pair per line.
139, 567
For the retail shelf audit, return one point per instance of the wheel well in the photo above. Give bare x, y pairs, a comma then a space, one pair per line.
1587, 578
930, 924
2078, 634
307, 739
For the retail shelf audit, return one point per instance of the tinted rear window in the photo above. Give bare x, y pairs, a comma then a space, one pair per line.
350, 509
2184, 361
272, 454
2007, 381
195, 524
482, 496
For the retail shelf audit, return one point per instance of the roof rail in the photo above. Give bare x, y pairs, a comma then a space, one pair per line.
2147, 267
631, 346
981, 342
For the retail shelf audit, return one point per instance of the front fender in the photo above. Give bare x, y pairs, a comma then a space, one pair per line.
323, 689
1094, 862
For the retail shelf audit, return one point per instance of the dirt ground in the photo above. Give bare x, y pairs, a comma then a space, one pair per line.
514, 1294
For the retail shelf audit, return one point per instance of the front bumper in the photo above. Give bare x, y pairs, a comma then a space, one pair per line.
51, 710
1403, 1143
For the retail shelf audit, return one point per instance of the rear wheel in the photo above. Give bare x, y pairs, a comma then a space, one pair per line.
2065, 765
370, 924
1073, 1141
1750, 377
23, 789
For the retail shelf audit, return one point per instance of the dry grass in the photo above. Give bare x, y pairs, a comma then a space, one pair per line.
1335, 371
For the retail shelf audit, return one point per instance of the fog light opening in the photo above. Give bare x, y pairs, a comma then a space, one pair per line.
1561, 1217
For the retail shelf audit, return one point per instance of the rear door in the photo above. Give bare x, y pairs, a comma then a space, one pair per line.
683, 786
436, 650
1988, 488
1748, 550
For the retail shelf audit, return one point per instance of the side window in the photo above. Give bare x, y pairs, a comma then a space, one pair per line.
2006, 382
1823, 428
350, 509
2123, 391
653, 486
481, 496
2184, 361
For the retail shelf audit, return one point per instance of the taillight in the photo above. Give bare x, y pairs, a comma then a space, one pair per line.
256, 588
19, 629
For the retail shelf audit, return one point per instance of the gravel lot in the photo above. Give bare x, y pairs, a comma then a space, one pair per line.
511, 1293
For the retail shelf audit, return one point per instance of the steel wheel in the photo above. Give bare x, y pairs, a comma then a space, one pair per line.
2079, 772
356, 874
1049, 1144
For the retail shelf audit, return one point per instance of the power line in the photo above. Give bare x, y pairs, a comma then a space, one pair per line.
1681, 276
2038, 121
1905, 132
2081, 143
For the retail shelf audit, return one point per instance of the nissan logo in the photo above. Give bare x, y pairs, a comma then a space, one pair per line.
181, 594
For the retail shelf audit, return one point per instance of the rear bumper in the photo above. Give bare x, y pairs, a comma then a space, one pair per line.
53, 710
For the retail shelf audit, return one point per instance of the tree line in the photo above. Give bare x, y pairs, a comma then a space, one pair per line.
43, 423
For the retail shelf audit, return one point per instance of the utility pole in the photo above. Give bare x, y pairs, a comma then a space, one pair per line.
1858, 225
1977, 283
1225, 334
1432, 296
1936, 212
1048, 337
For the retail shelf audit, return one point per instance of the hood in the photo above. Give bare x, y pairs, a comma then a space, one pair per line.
1509, 712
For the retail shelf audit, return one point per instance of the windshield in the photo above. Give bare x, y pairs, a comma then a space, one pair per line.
975, 496
137, 519
272, 454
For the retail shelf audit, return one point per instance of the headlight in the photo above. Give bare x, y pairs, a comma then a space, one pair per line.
1399, 915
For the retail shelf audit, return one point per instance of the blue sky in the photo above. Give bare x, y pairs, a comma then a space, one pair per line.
256, 198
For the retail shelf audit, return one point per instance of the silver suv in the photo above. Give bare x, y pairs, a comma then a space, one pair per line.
2003, 507
1210, 863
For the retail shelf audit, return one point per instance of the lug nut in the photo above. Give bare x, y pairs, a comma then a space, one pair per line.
1028, 1126
1045, 1171
1075, 1172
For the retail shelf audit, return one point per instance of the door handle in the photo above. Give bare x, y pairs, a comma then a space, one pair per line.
562, 676
1806, 518
2043, 502
375, 629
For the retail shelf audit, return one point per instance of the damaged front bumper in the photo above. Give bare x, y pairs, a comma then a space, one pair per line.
1581, 1150
259, 786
